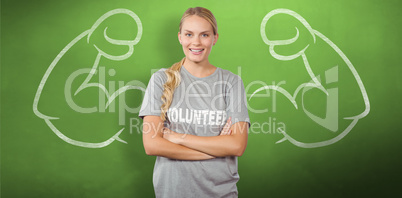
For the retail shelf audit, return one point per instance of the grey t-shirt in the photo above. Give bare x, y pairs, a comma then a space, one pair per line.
200, 107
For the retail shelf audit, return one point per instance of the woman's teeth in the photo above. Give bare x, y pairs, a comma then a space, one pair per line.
193, 50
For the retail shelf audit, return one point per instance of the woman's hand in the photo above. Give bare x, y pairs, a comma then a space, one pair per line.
226, 129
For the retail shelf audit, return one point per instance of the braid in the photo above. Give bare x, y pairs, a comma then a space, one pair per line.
172, 82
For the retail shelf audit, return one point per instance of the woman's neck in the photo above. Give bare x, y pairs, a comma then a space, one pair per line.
199, 70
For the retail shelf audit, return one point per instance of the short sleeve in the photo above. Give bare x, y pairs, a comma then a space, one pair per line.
236, 101
152, 102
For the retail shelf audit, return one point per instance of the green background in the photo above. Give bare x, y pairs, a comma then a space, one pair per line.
37, 163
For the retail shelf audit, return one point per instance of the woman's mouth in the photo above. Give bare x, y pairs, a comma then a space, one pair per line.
196, 51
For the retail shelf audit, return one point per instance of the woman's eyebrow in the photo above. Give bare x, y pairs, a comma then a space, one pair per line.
206, 31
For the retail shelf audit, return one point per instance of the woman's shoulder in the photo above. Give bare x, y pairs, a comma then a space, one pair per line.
229, 76
160, 74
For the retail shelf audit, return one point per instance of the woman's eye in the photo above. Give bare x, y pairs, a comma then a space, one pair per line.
188, 34
205, 35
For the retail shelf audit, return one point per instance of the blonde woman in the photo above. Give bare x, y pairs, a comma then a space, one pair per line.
195, 118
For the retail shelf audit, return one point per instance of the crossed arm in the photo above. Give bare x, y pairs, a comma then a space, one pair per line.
166, 143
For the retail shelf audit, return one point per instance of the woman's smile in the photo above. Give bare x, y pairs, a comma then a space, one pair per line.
196, 51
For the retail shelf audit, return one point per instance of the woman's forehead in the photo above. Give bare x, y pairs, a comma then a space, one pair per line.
195, 23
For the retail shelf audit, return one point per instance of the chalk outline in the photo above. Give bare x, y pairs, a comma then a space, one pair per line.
85, 84
316, 83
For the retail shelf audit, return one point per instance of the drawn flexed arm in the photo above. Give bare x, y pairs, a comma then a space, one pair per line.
330, 121
85, 38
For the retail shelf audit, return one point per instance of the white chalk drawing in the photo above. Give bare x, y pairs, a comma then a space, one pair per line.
110, 96
330, 122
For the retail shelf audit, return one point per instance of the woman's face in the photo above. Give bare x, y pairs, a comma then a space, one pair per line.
197, 38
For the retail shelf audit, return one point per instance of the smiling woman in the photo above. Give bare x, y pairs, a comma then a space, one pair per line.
195, 118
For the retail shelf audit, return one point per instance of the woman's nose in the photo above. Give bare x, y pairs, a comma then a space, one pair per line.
196, 40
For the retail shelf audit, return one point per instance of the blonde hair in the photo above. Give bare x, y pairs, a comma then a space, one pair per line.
173, 73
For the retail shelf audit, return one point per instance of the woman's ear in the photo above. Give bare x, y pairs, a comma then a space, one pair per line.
179, 37
216, 38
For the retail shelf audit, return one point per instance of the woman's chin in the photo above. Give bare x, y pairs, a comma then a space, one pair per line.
195, 59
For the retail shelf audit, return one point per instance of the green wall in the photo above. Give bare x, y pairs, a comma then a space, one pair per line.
342, 131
